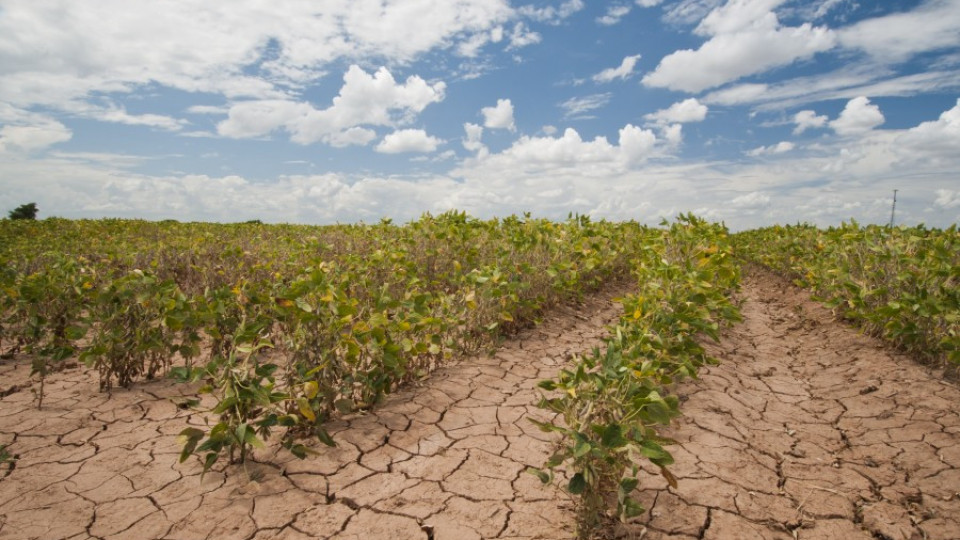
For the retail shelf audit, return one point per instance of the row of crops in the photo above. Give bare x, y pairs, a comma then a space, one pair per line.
902, 283
288, 326
614, 401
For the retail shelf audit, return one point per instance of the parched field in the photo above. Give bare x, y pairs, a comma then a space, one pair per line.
458, 378
807, 429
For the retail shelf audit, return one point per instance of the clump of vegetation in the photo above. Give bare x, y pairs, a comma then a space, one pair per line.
612, 401
24, 211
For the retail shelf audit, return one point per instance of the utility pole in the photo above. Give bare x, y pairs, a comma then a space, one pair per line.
893, 208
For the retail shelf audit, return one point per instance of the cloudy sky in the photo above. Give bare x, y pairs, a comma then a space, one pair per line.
319, 111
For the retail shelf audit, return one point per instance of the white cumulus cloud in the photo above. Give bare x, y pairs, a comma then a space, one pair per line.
474, 134
623, 71
808, 120
541, 155
937, 137
408, 140
29, 138
681, 112
364, 100
858, 116
499, 116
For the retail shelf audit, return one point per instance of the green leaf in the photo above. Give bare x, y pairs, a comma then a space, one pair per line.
325, 437
629, 508
613, 436
542, 475
582, 446
577, 484
188, 438
208, 462
304, 305
74, 333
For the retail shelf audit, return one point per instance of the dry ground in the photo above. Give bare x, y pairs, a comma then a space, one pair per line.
807, 430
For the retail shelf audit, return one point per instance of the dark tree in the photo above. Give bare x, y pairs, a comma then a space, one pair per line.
24, 211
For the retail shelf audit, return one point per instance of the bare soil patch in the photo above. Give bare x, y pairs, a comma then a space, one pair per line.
809, 429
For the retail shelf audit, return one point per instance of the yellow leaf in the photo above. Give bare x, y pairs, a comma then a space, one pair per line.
305, 410
572, 392
311, 389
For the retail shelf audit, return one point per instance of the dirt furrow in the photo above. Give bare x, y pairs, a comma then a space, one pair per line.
442, 460
808, 429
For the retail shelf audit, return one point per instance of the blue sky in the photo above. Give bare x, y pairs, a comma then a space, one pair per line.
748, 111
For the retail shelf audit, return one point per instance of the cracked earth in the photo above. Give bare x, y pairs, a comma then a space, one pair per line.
806, 430
443, 460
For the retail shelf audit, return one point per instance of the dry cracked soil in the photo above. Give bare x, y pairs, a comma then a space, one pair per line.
807, 429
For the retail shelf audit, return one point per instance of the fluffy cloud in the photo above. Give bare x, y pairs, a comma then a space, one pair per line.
521, 36
364, 99
623, 71
474, 134
73, 49
29, 138
808, 120
408, 140
544, 155
355, 136
779, 148
858, 116
938, 137
550, 176
745, 38
576, 106
688, 110
499, 116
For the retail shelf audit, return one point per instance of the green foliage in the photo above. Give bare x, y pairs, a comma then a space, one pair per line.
140, 323
900, 283
352, 311
249, 406
612, 401
42, 314
24, 211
